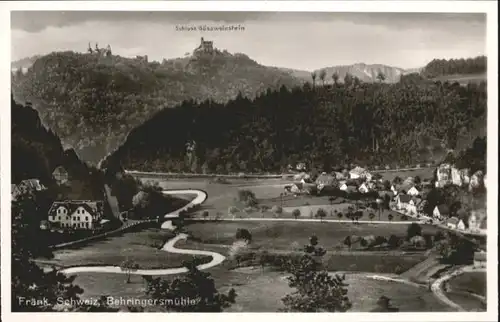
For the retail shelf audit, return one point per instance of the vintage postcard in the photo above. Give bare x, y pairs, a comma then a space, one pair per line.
247, 158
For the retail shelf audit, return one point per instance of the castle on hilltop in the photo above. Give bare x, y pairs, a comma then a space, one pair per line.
100, 51
205, 47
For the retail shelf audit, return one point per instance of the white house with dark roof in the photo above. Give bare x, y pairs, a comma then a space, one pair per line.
441, 211
363, 188
402, 201
413, 191
77, 214
360, 173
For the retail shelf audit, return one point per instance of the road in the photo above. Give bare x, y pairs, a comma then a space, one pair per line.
217, 258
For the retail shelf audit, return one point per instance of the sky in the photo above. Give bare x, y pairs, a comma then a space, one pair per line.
306, 41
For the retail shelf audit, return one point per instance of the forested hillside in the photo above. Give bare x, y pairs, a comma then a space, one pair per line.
444, 67
92, 101
37, 151
401, 124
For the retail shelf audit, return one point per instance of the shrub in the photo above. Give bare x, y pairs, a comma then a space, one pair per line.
277, 209
296, 213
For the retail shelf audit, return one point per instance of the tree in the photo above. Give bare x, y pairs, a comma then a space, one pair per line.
322, 76
321, 213
296, 213
244, 234
313, 76
315, 289
335, 78
340, 215
393, 241
348, 242
129, 266
205, 215
413, 230
348, 80
232, 210
397, 180
277, 210
331, 199
417, 180
390, 217
380, 76
371, 215
195, 284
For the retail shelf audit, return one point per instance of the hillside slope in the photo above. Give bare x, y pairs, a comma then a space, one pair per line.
37, 151
324, 127
92, 101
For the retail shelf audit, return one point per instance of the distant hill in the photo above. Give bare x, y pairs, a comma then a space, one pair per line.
366, 73
105, 97
24, 63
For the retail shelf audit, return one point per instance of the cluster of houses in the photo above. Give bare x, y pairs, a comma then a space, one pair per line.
447, 174
408, 196
64, 214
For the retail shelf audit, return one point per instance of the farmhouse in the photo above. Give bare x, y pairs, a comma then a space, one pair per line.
364, 188
452, 222
26, 186
441, 211
480, 259
60, 175
78, 214
402, 201
413, 205
413, 191
360, 173
325, 180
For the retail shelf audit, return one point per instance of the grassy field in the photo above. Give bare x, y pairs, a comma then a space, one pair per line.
142, 247
284, 235
259, 291
473, 282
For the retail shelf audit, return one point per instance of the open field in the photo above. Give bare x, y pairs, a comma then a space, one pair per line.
142, 247
466, 301
283, 235
472, 282
262, 291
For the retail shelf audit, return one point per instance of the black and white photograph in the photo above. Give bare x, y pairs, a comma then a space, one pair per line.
251, 161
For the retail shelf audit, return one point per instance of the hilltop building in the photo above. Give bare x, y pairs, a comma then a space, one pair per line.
206, 47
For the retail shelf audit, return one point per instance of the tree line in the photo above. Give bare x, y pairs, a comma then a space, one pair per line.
325, 126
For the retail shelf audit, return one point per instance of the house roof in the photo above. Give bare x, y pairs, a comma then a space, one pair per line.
358, 170
95, 208
404, 198
351, 189
416, 200
60, 169
326, 179
480, 256
443, 209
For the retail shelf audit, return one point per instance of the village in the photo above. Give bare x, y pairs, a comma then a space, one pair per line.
408, 196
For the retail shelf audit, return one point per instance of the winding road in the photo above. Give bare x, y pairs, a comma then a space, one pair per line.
217, 258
